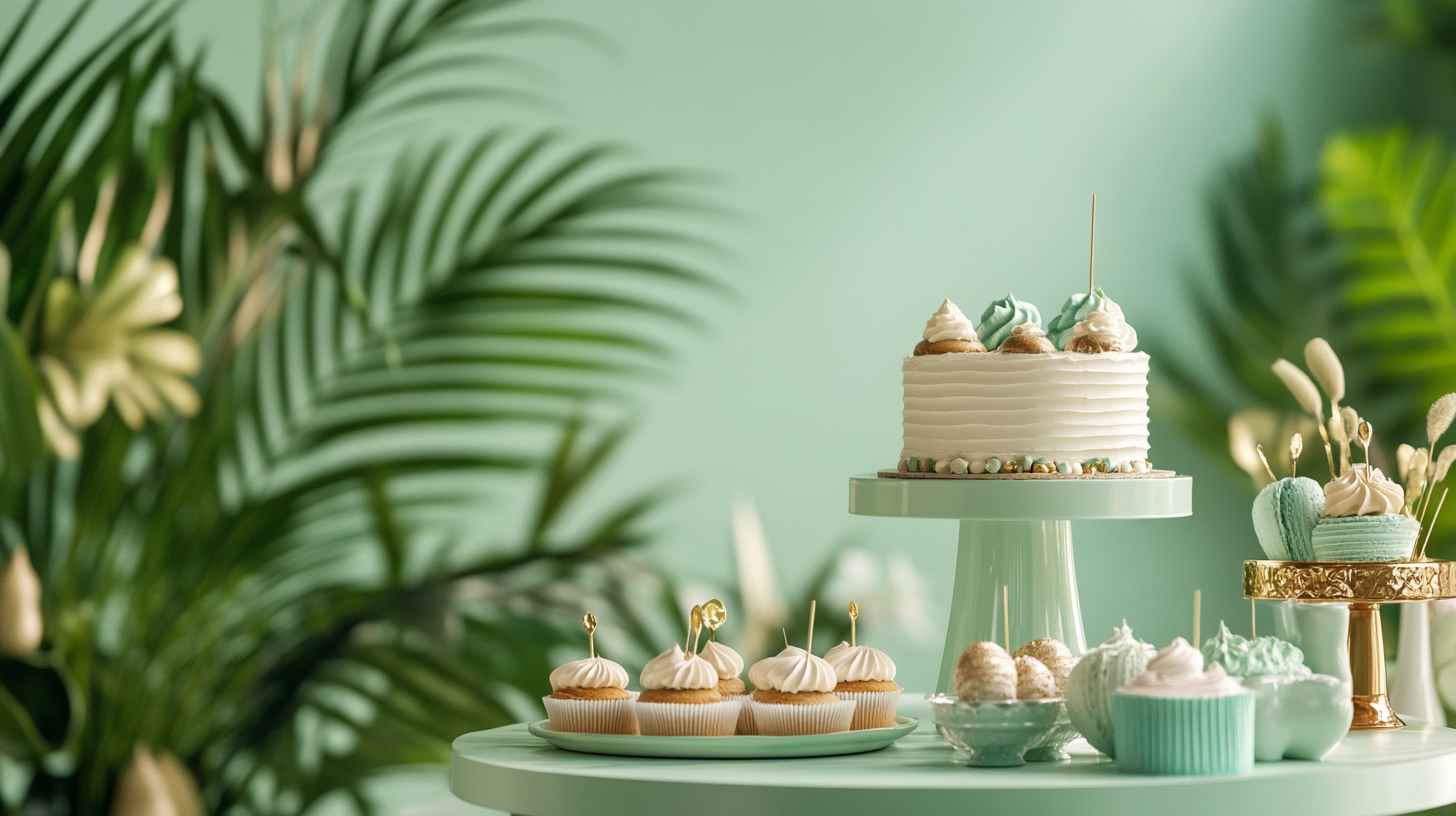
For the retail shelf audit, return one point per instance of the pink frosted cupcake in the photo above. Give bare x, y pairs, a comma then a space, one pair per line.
680, 698
866, 676
590, 697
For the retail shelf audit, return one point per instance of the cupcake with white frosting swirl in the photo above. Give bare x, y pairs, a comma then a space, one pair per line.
949, 331
680, 698
729, 664
590, 697
1364, 519
866, 676
794, 694
1176, 718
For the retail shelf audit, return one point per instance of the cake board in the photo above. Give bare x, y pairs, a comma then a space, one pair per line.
1017, 533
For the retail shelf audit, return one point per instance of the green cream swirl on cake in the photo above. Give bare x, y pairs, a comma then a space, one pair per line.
1002, 317
1074, 311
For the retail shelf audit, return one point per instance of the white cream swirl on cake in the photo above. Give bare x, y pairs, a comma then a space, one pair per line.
1064, 406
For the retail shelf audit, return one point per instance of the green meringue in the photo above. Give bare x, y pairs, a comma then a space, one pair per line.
1241, 657
1074, 311
1001, 317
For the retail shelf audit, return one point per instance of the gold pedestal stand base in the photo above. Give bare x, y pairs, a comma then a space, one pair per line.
1365, 585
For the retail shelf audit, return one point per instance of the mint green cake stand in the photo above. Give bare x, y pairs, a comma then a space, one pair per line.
1017, 533
1371, 772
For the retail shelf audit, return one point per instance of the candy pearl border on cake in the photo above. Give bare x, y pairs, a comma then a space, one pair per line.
1022, 467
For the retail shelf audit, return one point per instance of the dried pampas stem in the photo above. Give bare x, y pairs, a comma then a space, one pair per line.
1296, 447
1325, 365
1421, 556
1308, 397
1443, 463
1438, 419
1403, 455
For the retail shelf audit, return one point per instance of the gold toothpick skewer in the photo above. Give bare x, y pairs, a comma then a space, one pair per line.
1197, 602
1253, 619
695, 626
1329, 452
1363, 431
786, 637
853, 617
1006, 614
1296, 447
810, 643
589, 623
1259, 449
1092, 249
1432, 527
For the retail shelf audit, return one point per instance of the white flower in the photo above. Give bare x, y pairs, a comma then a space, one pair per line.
104, 347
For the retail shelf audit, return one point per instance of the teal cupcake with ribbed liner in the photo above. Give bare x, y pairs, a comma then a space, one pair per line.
1177, 719
1364, 519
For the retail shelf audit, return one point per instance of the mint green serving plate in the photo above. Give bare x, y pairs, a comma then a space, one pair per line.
744, 747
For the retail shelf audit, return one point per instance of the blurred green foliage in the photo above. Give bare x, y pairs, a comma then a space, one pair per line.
289, 584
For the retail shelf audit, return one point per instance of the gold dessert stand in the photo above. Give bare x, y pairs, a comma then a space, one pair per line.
1365, 585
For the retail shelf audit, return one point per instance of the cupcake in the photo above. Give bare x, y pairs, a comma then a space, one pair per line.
949, 332
729, 665
681, 698
866, 676
794, 694
1364, 519
590, 697
1175, 718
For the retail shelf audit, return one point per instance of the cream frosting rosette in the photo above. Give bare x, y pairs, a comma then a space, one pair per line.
949, 323
1363, 491
867, 676
682, 699
1363, 519
589, 696
794, 694
729, 664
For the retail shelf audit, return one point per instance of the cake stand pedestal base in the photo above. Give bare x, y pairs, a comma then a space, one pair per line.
1367, 671
1033, 559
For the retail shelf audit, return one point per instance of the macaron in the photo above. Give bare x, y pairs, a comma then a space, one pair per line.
1285, 515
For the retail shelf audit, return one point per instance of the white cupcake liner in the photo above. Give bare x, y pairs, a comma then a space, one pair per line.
746, 726
687, 719
873, 709
591, 716
787, 720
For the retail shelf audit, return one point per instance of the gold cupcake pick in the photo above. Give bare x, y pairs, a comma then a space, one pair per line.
1296, 447
1364, 432
695, 625
1259, 449
589, 623
714, 614
810, 643
853, 616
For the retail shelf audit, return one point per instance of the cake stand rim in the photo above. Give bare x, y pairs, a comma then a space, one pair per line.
1444, 573
1045, 499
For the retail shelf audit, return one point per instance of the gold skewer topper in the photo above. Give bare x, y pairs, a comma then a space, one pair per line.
695, 625
853, 616
1364, 431
589, 623
714, 614
1259, 449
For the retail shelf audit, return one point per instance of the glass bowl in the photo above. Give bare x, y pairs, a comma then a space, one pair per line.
1052, 746
994, 734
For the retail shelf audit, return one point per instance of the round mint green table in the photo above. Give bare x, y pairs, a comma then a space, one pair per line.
1370, 773
1017, 533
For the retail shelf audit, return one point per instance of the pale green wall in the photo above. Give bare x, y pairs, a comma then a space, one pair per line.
886, 155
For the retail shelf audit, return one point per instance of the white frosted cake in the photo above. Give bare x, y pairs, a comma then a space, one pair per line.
1007, 396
